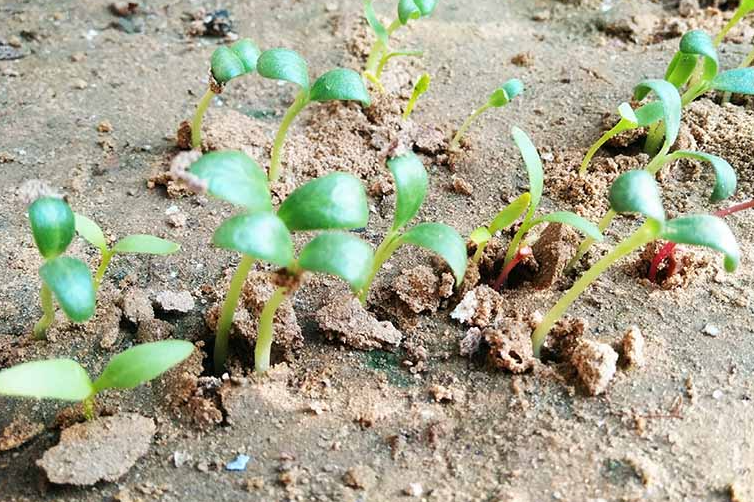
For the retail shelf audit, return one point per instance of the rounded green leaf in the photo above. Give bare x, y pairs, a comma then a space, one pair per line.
335, 201
226, 65
704, 230
263, 236
510, 213
340, 84
142, 363
284, 64
533, 165
738, 81
71, 283
90, 231
234, 177
62, 379
146, 244
649, 114
340, 254
422, 85
628, 114
572, 220
698, 43
671, 106
248, 52
504, 94
52, 225
725, 176
480, 236
637, 192
414, 9
411, 183
444, 241
379, 29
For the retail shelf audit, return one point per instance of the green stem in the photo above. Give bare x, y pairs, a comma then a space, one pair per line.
107, 255
465, 127
265, 332
196, 123
737, 16
645, 234
228, 311
378, 49
277, 149
88, 407
515, 243
48, 313
622, 125
588, 241
654, 138
386, 248
479, 252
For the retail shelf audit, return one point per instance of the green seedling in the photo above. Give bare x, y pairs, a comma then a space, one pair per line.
499, 98
637, 192
744, 8
526, 204
339, 84
422, 86
333, 203
67, 380
68, 279
227, 63
381, 53
411, 183
139, 243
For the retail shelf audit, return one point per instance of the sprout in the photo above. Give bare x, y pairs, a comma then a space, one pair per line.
411, 188
499, 98
637, 192
332, 203
339, 84
743, 9
67, 380
422, 86
139, 243
227, 63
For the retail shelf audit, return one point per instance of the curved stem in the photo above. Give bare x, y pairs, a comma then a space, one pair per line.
196, 123
378, 49
646, 233
659, 258
516, 241
107, 255
265, 332
277, 149
390, 55
734, 209
465, 127
369, 76
622, 125
737, 16
588, 241
508, 268
48, 313
386, 248
228, 311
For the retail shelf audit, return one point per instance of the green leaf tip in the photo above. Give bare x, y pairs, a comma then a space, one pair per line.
71, 282
146, 244
443, 240
414, 9
262, 236
90, 231
510, 213
671, 106
238, 59
234, 177
637, 192
699, 43
738, 81
705, 230
340, 254
505, 94
340, 84
53, 225
572, 220
411, 182
726, 180
284, 64
62, 379
533, 163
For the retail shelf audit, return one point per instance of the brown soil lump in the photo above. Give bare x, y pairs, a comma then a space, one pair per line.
595, 363
345, 319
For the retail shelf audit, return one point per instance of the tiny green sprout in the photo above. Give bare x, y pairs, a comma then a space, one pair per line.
499, 98
637, 192
139, 243
744, 8
68, 279
331, 204
227, 63
411, 184
340, 84
67, 380
422, 86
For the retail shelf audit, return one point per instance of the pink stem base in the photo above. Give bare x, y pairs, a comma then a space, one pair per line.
522, 253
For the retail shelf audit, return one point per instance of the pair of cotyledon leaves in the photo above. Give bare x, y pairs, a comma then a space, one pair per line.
408, 10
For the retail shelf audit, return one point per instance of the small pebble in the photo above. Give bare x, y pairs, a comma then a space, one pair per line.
711, 330
717, 395
79, 84
414, 490
239, 464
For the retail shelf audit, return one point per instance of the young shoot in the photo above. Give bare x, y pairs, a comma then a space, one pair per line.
499, 98
411, 183
67, 279
340, 84
67, 380
138, 243
333, 203
422, 86
637, 192
744, 8
227, 63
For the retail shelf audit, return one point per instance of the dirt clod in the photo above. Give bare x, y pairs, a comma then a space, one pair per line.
633, 347
595, 364
510, 346
552, 251
360, 477
480, 307
136, 306
419, 288
345, 319
171, 301
19, 432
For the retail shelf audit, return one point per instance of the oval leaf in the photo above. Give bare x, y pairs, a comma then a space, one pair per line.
263, 236
146, 244
444, 241
422, 85
725, 176
284, 64
408, 10
698, 43
572, 220
504, 94
628, 114
234, 177
480, 236
637, 192
340, 254
510, 213
671, 106
649, 114
71, 283
533, 165
52, 225
705, 230
340, 84
335, 201
678, 73
225, 65
248, 52
411, 183
90, 231
142, 363
379, 29
738, 81
63, 379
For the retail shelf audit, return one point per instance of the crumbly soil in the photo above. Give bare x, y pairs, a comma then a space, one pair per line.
93, 108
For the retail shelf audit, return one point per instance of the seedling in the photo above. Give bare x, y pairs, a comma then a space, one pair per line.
744, 8
411, 183
68, 279
332, 203
67, 380
227, 63
139, 243
519, 247
422, 86
499, 98
637, 192
339, 84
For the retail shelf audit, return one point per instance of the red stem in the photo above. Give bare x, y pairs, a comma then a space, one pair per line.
522, 253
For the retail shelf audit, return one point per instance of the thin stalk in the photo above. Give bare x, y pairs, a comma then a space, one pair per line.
386, 248
378, 49
588, 241
465, 127
107, 255
644, 234
479, 252
737, 16
88, 407
375, 81
48, 313
390, 55
265, 331
196, 123
522, 253
516, 241
228, 311
622, 125
277, 149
